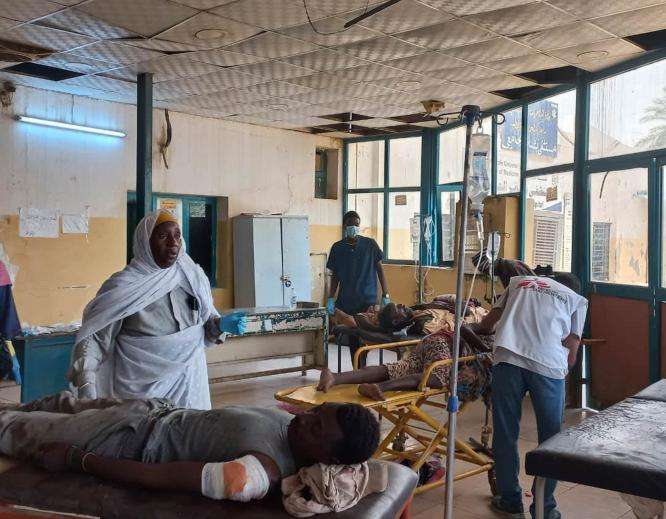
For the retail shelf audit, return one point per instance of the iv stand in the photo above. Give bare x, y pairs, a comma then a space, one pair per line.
469, 115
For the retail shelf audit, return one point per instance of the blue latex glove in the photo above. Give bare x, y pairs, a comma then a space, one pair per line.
385, 301
234, 323
330, 306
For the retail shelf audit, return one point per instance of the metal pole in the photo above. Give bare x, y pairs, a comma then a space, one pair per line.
469, 115
144, 145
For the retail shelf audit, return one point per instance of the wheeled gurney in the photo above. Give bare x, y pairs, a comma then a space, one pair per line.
405, 411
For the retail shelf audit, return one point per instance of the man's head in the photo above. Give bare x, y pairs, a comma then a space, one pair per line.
505, 269
395, 317
165, 241
351, 222
334, 434
568, 280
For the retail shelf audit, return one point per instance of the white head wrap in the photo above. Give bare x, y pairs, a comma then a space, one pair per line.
142, 282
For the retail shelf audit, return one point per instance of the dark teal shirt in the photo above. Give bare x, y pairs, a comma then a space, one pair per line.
356, 268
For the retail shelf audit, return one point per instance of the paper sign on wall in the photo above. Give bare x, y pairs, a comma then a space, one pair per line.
38, 223
198, 209
174, 206
76, 223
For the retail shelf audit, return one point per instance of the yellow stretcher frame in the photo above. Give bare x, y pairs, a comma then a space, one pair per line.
404, 410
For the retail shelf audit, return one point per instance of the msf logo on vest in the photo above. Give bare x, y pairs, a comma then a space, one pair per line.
535, 284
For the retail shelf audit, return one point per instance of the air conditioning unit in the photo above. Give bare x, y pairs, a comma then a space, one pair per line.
12, 52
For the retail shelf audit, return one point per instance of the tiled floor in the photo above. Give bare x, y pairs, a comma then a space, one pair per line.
471, 495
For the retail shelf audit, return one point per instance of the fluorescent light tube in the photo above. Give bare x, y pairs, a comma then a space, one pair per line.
68, 126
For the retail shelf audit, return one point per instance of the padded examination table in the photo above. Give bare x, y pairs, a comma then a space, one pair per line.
622, 448
83, 494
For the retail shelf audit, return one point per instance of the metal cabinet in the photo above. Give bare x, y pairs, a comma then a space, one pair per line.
44, 363
271, 257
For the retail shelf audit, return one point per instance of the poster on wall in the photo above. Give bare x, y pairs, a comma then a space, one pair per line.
76, 223
38, 223
174, 206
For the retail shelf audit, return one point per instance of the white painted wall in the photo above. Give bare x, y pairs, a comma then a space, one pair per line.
260, 169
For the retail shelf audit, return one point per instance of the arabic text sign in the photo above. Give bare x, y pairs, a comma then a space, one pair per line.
542, 118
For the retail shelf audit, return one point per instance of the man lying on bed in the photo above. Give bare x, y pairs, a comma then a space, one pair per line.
237, 453
421, 319
406, 374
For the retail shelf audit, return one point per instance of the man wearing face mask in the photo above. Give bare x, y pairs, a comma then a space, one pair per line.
356, 264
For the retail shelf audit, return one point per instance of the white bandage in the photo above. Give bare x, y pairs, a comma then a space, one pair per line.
238, 480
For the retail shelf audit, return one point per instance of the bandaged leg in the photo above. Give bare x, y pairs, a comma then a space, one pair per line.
243, 479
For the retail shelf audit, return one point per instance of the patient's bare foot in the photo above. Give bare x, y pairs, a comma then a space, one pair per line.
326, 380
371, 391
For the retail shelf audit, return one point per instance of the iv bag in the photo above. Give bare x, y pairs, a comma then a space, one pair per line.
479, 175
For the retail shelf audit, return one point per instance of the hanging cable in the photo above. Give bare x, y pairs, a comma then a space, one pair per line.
344, 29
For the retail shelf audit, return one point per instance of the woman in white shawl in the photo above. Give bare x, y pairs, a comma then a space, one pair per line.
143, 335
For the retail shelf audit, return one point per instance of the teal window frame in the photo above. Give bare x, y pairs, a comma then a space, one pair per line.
185, 199
581, 167
386, 190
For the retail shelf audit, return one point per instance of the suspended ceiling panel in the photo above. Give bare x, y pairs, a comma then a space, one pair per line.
521, 19
262, 62
209, 31
77, 21
145, 17
26, 10
558, 37
277, 15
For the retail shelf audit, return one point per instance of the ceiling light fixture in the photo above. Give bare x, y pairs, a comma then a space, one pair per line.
592, 54
278, 106
68, 126
408, 85
210, 34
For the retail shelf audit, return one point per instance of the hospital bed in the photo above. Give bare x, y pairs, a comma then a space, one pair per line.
415, 434
23, 485
622, 448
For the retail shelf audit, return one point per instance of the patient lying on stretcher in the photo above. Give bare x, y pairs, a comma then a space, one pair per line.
406, 374
421, 319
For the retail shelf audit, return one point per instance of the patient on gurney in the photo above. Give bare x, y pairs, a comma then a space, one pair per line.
236, 453
421, 319
406, 374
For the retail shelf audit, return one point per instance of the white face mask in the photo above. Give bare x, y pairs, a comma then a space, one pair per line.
351, 231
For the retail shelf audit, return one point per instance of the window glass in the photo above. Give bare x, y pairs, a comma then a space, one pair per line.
403, 215
550, 131
200, 234
452, 155
370, 207
365, 164
405, 162
548, 221
320, 174
619, 226
509, 137
628, 112
452, 151
447, 207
